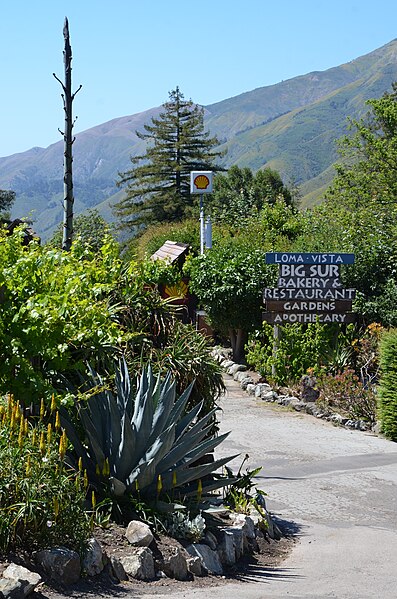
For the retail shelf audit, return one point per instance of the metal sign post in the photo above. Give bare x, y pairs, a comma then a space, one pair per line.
201, 182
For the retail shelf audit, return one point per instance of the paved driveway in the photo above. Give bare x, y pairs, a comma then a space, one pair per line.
337, 488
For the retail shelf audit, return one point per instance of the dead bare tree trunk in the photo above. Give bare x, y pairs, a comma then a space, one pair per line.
67, 98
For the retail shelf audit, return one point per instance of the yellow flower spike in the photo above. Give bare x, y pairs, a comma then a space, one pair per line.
97, 470
77, 483
53, 404
85, 479
63, 445
12, 420
80, 464
57, 421
42, 443
18, 412
106, 468
136, 485
28, 466
49, 433
93, 500
25, 427
159, 484
2, 410
174, 479
42, 409
199, 489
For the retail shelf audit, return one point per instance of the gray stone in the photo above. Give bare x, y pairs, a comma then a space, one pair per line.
236, 368
238, 540
268, 396
139, 534
210, 540
175, 566
251, 389
227, 364
195, 566
299, 406
61, 564
246, 523
209, 558
139, 563
29, 580
240, 376
262, 389
11, 589
248, 380
93, 562
226, 549
118, 569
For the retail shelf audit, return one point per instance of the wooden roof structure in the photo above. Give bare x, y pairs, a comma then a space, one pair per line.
172, 252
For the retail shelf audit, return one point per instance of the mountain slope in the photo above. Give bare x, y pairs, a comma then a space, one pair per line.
290, 126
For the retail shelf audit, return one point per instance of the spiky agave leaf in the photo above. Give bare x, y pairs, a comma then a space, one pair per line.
145, 437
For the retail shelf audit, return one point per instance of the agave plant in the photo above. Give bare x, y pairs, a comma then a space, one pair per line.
146, 444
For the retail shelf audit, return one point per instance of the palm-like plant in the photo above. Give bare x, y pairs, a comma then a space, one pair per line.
145, 444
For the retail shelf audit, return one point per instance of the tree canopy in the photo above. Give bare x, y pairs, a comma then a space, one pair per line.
7, 198
240, 194
158, 187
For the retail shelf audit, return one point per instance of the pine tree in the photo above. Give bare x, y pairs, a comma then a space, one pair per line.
158, 187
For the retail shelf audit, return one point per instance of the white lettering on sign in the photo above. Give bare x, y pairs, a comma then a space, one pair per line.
304, 318
288, 258
309, 283
314, 270
309, 294
319, 306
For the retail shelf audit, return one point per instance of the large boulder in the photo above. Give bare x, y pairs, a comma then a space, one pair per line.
60, 564
209, 558
24, 580
139, 534
139, 563
93, 562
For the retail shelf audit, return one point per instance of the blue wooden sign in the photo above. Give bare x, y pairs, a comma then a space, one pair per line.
308, 258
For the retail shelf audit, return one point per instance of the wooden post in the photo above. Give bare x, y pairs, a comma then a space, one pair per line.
276, 343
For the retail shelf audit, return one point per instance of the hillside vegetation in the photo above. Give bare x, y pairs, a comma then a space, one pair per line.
290, 127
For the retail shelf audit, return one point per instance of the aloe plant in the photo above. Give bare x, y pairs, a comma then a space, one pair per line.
145, 444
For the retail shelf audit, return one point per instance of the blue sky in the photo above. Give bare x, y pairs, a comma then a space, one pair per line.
128, 54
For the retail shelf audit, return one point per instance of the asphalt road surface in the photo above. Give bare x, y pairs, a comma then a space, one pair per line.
336, 489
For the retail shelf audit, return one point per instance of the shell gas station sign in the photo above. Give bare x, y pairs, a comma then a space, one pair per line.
201, 182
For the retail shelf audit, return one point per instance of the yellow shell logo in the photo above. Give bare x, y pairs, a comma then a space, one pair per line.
201, 182
178, 291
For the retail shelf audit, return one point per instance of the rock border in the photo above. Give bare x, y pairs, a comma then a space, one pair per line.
236, 536
250, 383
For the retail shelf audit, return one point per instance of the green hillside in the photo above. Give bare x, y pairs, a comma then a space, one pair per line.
290, 126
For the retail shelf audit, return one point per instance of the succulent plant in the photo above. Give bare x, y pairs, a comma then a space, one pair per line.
145, 444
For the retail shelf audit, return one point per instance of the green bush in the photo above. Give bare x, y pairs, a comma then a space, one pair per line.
41, 502
388, 384
300, 347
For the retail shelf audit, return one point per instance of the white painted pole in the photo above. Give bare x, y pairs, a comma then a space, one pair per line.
202, 226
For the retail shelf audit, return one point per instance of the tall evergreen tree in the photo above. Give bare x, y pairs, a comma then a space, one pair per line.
158, 187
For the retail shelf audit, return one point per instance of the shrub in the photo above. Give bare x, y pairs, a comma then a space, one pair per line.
41, 502
345, 393
300, 347
388, 384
